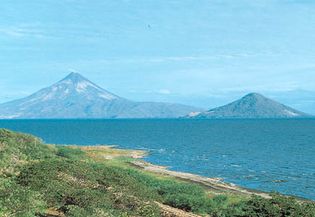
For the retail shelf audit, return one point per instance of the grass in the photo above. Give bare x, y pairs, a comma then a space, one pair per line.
45, 180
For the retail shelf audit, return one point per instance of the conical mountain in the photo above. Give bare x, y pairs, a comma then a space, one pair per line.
253, 105
77, 97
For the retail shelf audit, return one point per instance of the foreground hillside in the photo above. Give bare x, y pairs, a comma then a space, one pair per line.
45, 180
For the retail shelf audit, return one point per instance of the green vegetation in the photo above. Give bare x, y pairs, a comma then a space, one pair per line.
43, 180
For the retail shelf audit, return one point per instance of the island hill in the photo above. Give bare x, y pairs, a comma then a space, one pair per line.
253, 105
43, 180
77, 97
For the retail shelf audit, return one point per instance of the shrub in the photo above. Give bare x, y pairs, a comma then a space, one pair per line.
18, 201
70, 153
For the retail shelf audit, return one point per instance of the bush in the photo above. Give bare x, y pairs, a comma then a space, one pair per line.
70, 153
278, 206
75, 185
16, 200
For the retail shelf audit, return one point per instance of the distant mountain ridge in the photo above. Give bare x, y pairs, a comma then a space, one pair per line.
253, 105
77, 97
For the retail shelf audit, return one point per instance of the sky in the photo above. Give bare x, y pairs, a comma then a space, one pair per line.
198, 52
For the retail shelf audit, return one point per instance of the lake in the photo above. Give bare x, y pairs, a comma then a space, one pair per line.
270, 155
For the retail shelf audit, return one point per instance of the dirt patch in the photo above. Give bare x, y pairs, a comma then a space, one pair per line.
102, 152
168, 211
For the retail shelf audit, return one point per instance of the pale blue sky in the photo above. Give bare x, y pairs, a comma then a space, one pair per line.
198, 52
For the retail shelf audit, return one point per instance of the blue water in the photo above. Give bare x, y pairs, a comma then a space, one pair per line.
250, 153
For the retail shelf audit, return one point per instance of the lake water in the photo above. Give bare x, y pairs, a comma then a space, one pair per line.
269, 155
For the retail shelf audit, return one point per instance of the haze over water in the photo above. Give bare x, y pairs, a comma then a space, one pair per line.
269, 155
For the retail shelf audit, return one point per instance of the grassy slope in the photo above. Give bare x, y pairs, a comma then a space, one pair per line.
44, 180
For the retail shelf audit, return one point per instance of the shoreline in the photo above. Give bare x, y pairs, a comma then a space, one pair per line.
109, 152
215, 184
